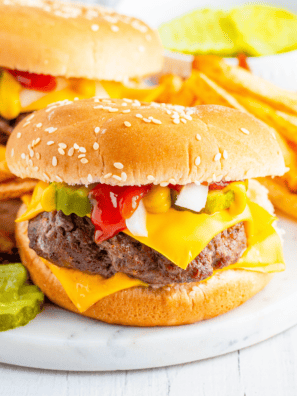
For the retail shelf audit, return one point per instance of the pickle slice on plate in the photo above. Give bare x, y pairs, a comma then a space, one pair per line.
19, 303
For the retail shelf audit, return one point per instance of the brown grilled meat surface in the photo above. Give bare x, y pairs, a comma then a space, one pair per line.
68, 241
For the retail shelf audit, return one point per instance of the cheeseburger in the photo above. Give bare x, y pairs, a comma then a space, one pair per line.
52, 51
146, 214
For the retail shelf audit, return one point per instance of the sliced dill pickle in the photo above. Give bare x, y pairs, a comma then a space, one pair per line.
73, 199
218, 201
19, 303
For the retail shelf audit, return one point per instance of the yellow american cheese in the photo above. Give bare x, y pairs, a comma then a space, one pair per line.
85, 290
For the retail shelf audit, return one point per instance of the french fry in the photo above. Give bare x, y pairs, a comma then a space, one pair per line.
209, 92
172, 85
286, 124
16, 188
280, 196
239, 80
185, 96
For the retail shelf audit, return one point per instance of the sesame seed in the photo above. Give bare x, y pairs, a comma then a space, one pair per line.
90, 178
30, 117
61, 151
31, 152
245, 131
183, 120
71, 151
84, 161
82, 150
168, 112
46, 176
164, 184
176, 121
172, 181
81, 156
26, 124
23, 156
36, 169
126, 111
59, 179
50, 142
127, 100
155, 121
106, 101
117, 177
54, 161
76, 146
95, 146
146, 120
115, 28
19, 135
198, 137
217, 157
39, 125
139, 116
124, 104
150, 177
113, 110
30, 162
37, 155
12, 152
127, 124
225, 154
95, 28
96, 100
97, 130
124, 176
188, 117
50, 129
197, 183
197, 161
62, 145
107, 175
118, 165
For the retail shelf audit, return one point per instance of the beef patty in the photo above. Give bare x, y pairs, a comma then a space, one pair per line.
68, 241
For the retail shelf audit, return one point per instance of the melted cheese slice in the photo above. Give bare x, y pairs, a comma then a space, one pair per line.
181, 235
85, 290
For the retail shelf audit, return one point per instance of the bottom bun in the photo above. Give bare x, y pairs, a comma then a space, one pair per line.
148, 306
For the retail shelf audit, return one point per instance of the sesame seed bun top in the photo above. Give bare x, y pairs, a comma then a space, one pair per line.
73, 40
125, 142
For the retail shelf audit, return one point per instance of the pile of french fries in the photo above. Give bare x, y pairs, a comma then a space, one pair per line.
213, 81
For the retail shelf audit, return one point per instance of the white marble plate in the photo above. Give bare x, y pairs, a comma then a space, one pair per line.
61, 340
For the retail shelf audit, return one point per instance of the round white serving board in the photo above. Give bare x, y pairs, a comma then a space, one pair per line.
61, 340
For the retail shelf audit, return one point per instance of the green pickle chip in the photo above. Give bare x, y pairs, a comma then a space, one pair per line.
19, 303
218, 201
73, 199
253, 29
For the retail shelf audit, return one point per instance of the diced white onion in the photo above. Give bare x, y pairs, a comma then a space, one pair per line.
136, 224
192, 197
28, 96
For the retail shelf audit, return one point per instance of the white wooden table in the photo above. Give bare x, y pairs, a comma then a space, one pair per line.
266, 369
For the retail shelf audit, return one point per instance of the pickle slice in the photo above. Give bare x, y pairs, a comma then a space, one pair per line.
218, 201
19, 303
71, 199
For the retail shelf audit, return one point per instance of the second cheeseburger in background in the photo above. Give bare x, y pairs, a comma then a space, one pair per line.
52, 51
145, 214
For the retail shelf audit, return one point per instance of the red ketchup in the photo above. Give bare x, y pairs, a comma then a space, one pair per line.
38, 82
111, 206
